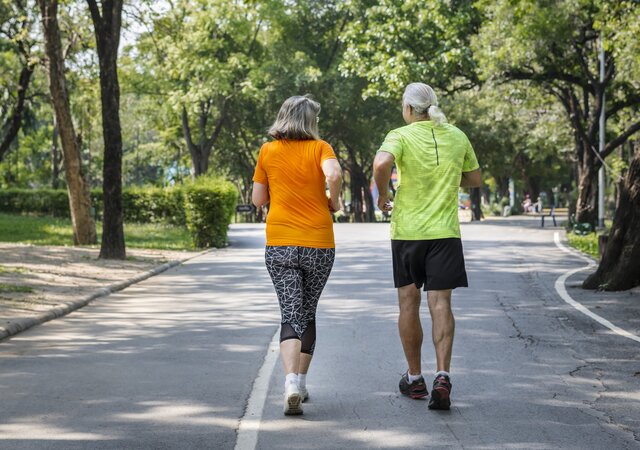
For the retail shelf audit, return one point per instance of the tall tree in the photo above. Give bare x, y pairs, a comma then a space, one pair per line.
16, 36
203, 53
107, 24
307, 58
84, 228
555, 47
619, 268
391, 43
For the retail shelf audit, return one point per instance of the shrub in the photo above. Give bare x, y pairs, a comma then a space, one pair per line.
140, 205
53, 202
153, 205
209, 205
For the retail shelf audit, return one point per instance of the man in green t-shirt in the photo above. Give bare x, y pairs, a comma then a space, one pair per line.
433, 159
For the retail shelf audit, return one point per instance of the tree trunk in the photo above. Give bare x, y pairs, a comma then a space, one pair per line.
55, 158
586, 206
619, 268
107, 30
361, 198
84, 228
476, 211
201, 151
502, 187
532, 186
12, 125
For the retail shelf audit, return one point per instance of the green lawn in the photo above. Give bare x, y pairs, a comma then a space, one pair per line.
51, 231
5, 287
587, 244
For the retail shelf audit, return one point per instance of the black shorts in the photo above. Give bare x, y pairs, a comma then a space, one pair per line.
436, 264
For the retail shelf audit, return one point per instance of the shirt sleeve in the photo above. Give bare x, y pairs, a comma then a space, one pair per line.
470, 161
326, 152
260, 175
392, 144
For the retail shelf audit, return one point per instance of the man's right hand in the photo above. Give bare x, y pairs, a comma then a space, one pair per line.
384, 202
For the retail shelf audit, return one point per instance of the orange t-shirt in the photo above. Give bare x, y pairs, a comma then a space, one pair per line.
299, 212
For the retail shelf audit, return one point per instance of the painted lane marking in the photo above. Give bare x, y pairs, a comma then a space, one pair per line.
562, 291
250, 422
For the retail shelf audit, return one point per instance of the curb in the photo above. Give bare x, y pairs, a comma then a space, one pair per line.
65, 308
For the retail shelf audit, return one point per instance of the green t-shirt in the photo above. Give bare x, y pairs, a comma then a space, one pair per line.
430, 160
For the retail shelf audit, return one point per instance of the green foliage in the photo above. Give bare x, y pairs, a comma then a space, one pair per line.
209, 207
141, 205
587, 243
54, 202
153, 205
392, 43
15, 288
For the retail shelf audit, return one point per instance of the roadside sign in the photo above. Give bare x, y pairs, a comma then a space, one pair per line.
244, 208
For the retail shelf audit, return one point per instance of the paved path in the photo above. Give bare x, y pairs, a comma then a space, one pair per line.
170, 362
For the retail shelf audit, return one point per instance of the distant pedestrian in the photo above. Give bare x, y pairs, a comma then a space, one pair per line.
433, 159
290, 175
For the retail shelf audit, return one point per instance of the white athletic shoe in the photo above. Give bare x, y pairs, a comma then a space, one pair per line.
304, 393
292, 400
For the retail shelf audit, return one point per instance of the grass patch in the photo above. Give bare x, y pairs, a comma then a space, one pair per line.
5, 287
52, 231
4, 270
587, 244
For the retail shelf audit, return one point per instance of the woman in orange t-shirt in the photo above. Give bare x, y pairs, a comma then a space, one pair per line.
291, 174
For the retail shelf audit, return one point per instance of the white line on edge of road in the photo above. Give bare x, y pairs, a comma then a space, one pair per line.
562, 292
250, 421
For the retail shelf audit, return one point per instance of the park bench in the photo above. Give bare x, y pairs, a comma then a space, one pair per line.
546, 212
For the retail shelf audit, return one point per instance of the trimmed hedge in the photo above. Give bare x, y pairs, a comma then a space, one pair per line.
53, 202
209, 205
206, 206
140, 205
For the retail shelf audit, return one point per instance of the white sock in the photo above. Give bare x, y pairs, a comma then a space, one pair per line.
302, 380
413, 378
442, 372
290, 378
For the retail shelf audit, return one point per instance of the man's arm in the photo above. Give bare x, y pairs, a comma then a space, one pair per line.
471, 179
382, 167
332, 170
260, 194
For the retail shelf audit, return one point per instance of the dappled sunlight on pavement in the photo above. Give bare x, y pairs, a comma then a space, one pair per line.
170, 362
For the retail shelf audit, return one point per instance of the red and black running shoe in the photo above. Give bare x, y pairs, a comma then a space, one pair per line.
441, 393
417, 389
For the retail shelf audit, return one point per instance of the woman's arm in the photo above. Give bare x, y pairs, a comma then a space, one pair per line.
260, 194
333, 172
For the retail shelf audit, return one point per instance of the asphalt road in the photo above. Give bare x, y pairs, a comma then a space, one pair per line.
170, 362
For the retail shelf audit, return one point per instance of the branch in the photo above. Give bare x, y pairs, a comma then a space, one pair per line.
631, 100
548, 76
13, 123
95, 12
611, 146
334, 49
583, 64
255, 38
186, 130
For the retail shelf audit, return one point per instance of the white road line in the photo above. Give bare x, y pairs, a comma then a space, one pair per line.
250, 422
562, 292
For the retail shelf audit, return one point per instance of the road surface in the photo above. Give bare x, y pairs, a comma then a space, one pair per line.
171, 362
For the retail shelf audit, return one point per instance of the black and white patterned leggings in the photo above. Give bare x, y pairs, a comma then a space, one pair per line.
299, 275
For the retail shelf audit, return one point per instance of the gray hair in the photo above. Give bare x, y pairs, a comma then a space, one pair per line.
422, 99
297, 119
